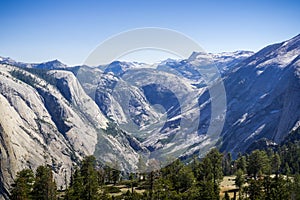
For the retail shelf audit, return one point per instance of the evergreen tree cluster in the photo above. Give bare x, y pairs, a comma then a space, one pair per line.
38, 186
271, 174
284, 159
21, 75
26, 78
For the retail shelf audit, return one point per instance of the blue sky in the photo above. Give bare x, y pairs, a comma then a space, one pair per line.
36, 31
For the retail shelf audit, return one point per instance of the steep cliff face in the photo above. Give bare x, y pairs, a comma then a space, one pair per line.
29, 136
53, 121
130, 111
39, 125
262, 94
263, 97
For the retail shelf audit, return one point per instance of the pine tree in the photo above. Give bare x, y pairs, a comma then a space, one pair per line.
217, 174
241, 163
210, 175
239, 180
287, 169
296, 187
44, 186
89, 178
101, 176
255, 190
207, 191
75, 190
276, 162
226, 164
276, 188
185, 179
258, 162
194, 165
22, 188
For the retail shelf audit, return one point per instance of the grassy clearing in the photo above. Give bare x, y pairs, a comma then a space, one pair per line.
227, 184
123, 189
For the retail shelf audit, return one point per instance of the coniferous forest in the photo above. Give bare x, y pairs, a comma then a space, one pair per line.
268, 174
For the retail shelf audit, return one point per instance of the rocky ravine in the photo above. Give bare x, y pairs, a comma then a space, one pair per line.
55, 125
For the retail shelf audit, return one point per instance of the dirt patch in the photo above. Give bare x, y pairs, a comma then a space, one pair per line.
228, 184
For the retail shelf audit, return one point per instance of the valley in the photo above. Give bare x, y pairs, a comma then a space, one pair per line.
138, 117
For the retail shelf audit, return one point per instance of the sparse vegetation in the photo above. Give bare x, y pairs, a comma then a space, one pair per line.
26, 78
43, 74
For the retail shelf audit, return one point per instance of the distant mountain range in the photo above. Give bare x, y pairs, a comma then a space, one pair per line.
127, 112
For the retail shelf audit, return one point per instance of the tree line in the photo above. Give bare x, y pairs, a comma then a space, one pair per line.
30, 80
34, 186
269, 174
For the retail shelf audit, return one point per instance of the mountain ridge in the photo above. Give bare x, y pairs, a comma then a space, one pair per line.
51, 63
128, 111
